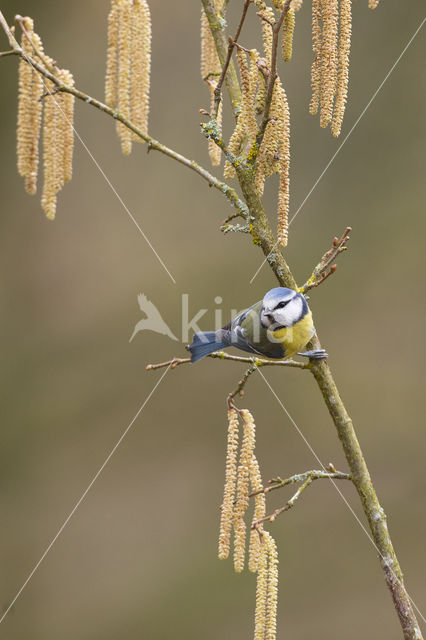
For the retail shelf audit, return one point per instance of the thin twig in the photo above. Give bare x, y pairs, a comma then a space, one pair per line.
306, 479
49, 93
325, 268
12, 52
239, 391
224, 188
221, 355
227, 220
236, 228
241, 48
232, 42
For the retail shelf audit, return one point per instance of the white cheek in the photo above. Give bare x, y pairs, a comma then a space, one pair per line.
290, 314
281, 317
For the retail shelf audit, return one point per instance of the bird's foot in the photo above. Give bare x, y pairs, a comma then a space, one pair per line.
316, 354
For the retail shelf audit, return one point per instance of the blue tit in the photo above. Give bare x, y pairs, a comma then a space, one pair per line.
276, 327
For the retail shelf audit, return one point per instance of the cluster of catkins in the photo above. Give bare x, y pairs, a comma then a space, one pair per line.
242, 477
331, 40
273, 156
41, 106
331, 43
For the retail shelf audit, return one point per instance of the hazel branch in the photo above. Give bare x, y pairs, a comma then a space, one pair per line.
153, 144
306, 479
221, 355
325, 268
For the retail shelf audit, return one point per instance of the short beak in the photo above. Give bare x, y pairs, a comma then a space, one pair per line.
266, 317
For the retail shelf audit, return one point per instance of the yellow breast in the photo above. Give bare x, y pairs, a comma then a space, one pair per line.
294, 338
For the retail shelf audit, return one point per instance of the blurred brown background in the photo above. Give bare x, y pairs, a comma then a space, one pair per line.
138, 559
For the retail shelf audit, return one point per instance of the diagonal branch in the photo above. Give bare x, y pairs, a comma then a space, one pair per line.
263, 236
153, 144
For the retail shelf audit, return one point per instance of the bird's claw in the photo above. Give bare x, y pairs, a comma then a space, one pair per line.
316, 354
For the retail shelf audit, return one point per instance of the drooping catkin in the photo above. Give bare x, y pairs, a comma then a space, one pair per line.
246, 128
330, 16
267, 33
287, 35
274, 153
210, 63
25, 105
37, 109
30, 90
239, 131
59, 133
140, 70
265, 619
68, 101
296, 4
123, 78
251, 124
242, 495
261, 592
317, 49
112, 56
284, 187
272, 594
261, 90
50, 153
58, 140
259, 513
230, 481
372, 4
343, 71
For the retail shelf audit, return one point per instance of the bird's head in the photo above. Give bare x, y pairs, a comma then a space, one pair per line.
282, 307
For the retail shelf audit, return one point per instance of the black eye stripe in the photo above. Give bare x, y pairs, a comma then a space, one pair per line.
282, 304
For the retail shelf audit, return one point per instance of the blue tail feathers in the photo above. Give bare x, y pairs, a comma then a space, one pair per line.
203, 343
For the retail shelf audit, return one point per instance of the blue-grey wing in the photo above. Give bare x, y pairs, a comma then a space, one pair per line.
246, 332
